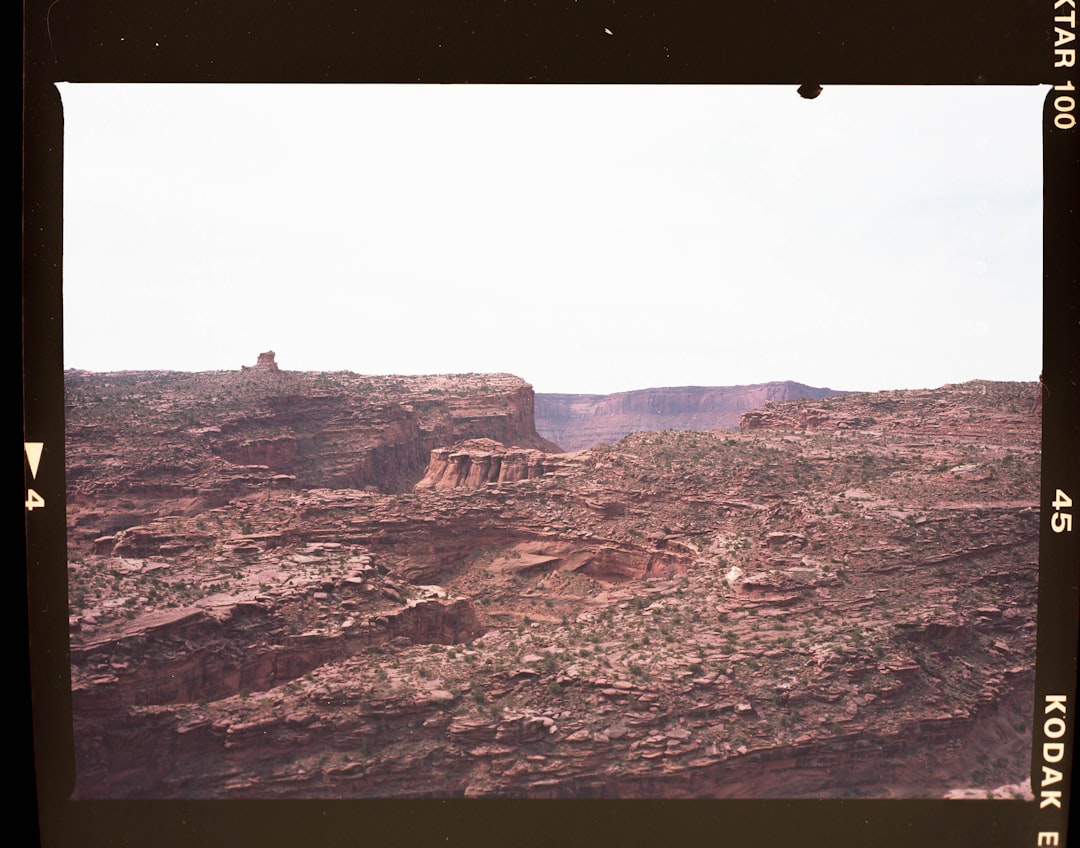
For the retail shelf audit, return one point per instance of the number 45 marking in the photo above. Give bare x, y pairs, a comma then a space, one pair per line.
1061, 522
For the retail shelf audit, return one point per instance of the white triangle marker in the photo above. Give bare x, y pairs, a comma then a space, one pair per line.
33, 454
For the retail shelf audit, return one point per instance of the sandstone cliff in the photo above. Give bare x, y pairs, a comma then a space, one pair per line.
144, 444
581, 421
478, 462
836, 602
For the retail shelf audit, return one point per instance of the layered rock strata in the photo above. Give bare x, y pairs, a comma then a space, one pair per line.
478, 462
796, 609
581, 421
147, 444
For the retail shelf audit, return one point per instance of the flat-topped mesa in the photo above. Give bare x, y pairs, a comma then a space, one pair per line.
206, 438
582, 421
476, 462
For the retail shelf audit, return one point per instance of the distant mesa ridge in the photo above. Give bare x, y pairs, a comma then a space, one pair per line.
576, 422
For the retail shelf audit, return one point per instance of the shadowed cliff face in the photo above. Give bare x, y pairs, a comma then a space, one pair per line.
575, 422
837, 600
144, 444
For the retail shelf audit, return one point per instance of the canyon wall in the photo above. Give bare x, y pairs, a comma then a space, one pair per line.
837, 600
152, 443
478, 462
575, 422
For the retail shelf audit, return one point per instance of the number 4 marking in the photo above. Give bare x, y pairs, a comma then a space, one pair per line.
1061, 522
33, 500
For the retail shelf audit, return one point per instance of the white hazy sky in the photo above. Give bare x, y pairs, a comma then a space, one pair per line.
585, 238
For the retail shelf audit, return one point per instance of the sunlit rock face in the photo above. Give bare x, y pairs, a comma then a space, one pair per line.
478, 462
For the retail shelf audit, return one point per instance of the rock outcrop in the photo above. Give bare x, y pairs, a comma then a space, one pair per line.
478, 462
146, 444
266, 362
796, 609
575, 422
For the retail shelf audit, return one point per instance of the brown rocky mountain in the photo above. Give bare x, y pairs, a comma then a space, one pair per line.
837, 600
575, 422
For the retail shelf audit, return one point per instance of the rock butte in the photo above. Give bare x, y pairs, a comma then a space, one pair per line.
331, 585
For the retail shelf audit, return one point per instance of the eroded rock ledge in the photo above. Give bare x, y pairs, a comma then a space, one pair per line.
797, 609
477, 462
202, 440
